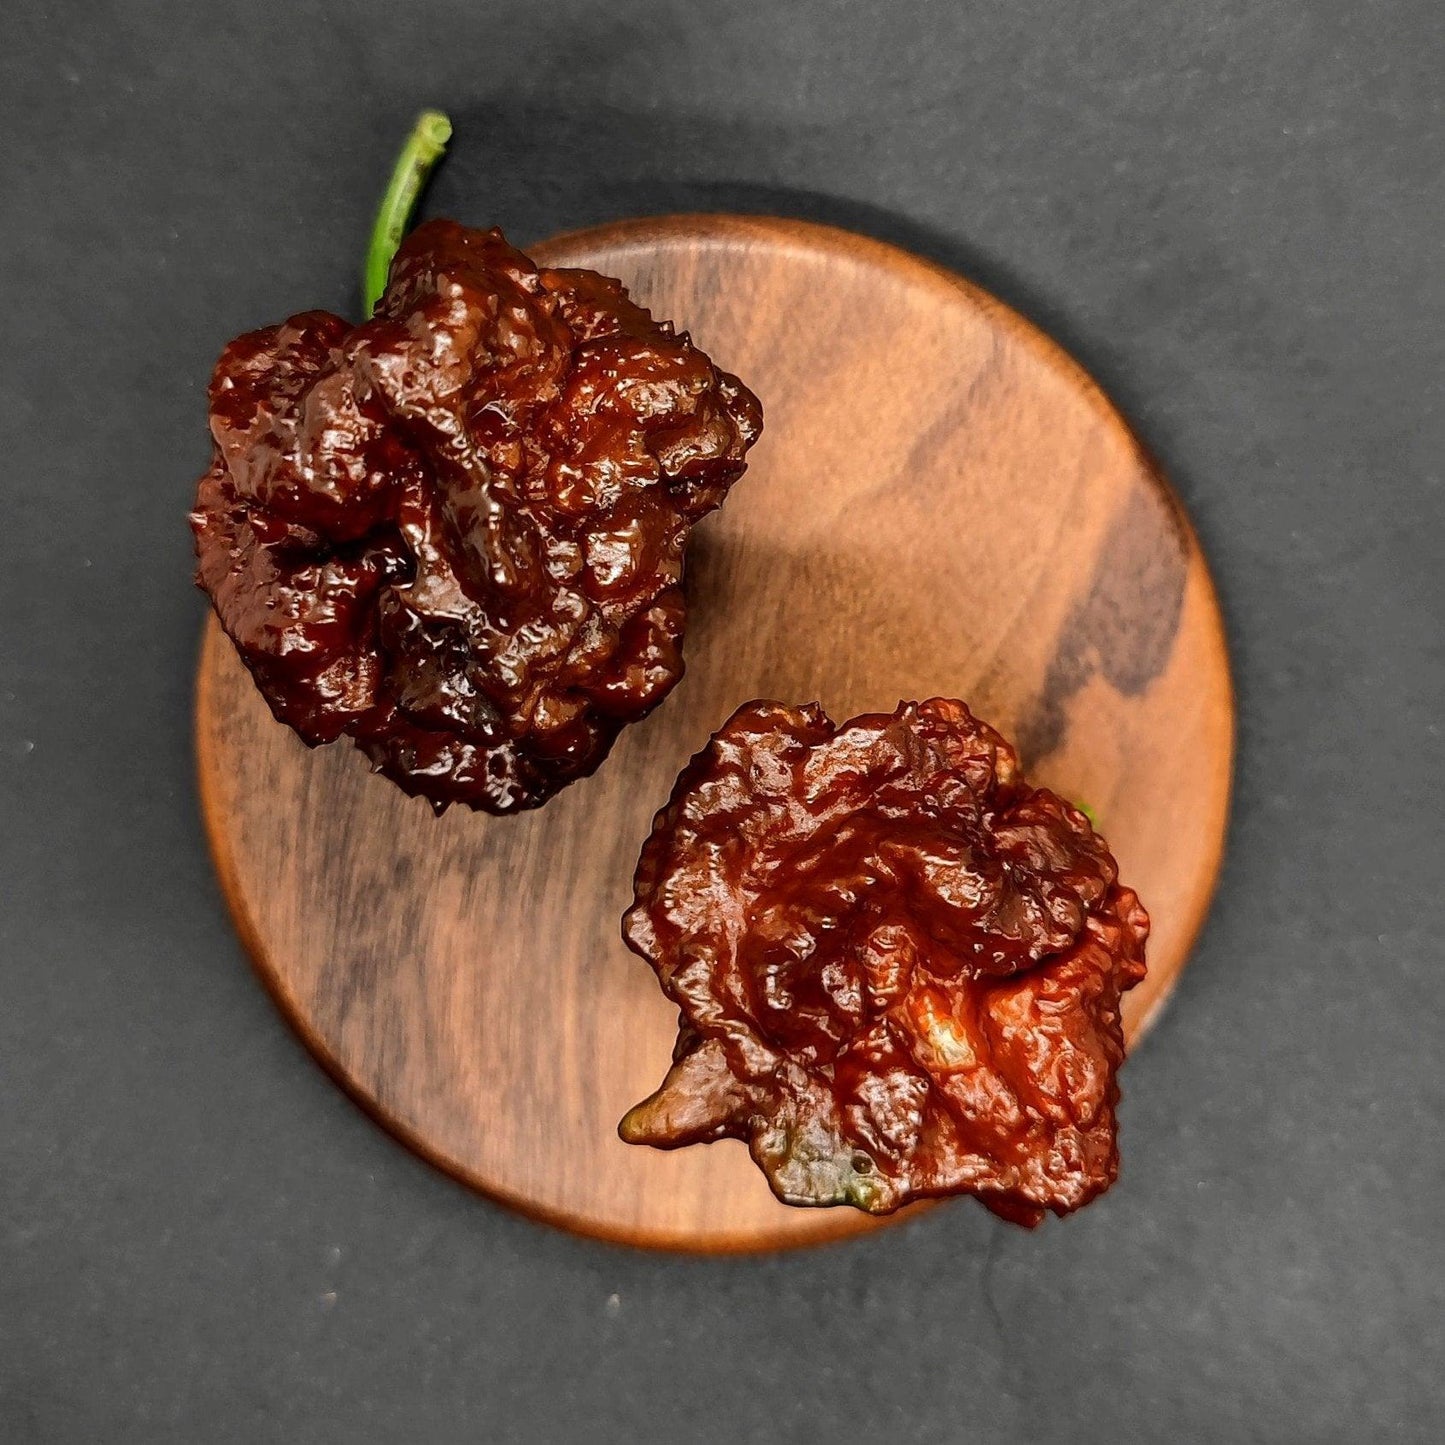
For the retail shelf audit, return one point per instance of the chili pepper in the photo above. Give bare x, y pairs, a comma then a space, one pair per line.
898, 965
456, 532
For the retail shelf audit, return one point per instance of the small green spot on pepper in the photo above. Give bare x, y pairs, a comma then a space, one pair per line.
1088, 812
423, 149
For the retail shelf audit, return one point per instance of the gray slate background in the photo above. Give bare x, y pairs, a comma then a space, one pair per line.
1232, 213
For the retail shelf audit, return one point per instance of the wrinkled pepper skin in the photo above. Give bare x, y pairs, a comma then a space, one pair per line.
456, 532
898, 965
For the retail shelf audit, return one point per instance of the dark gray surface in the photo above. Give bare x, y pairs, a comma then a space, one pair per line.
1232, 213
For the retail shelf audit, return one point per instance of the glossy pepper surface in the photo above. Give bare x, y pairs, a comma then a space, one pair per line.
898, 965
456, 532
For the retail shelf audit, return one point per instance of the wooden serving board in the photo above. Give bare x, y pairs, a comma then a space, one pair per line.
942, 503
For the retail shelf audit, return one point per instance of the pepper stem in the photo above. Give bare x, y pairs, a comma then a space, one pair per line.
423, 149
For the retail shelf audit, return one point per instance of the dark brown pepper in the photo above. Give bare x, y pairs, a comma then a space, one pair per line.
456, 532
898, 965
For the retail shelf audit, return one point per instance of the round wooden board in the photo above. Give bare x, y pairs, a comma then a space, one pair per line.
942, 503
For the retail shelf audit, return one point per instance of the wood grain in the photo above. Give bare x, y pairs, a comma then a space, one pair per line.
942, 503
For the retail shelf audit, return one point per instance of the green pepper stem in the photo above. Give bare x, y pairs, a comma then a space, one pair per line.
423, 149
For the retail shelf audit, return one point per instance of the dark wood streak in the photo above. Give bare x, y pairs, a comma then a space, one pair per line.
902, 532
1124, 626
942, 433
